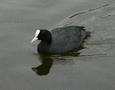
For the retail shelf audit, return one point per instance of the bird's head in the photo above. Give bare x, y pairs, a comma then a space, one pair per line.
43, 35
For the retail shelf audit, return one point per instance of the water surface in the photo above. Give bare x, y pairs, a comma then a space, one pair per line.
93, 69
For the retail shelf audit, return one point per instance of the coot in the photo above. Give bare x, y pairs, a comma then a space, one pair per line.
60, 40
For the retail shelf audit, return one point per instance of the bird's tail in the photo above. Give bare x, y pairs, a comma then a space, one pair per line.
85, 34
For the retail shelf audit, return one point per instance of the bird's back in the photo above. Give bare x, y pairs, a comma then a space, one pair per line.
66, 38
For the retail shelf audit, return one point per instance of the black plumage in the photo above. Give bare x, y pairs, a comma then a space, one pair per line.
61, 40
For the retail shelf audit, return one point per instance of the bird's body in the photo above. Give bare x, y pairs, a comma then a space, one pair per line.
62, 40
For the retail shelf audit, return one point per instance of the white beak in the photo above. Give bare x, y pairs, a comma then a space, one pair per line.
34, 39
36, 35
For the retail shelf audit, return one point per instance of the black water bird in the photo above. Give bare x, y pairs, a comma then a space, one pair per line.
60, 40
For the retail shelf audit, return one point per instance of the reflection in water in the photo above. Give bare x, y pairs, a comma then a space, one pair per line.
45, 67
47, 61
